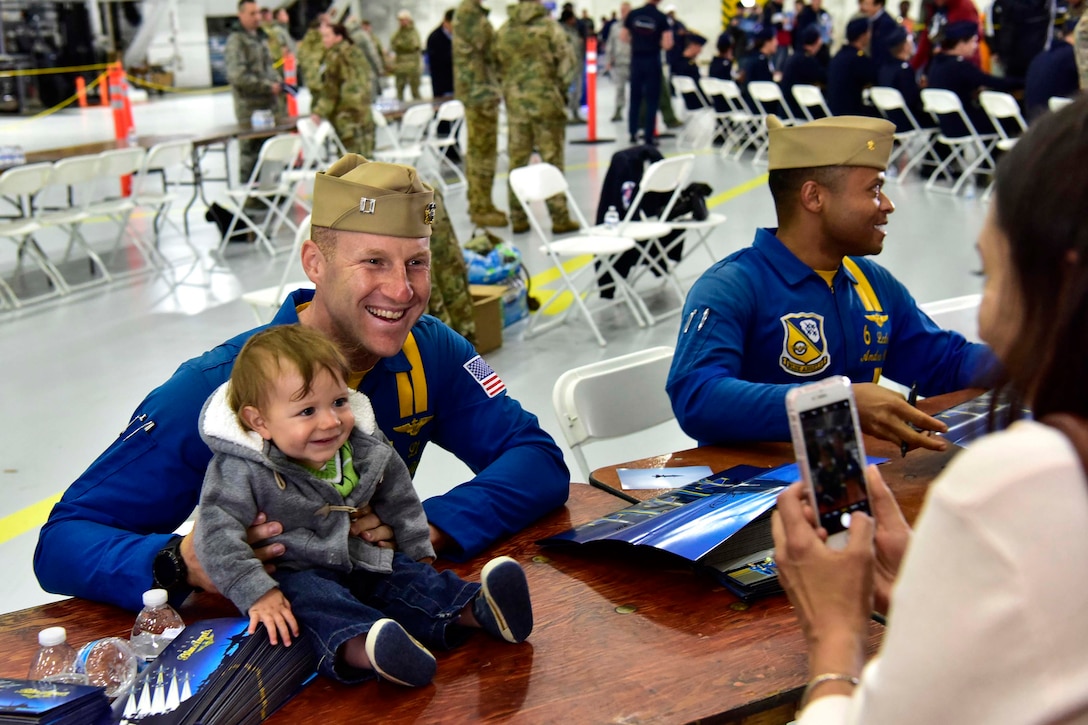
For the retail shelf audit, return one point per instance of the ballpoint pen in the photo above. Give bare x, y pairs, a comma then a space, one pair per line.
912, 401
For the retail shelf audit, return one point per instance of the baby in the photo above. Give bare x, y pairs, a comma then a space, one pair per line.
292, 441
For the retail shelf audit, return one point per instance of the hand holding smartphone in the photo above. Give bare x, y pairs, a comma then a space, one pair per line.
830, 453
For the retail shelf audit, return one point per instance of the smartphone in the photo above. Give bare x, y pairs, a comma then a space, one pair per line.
830, 452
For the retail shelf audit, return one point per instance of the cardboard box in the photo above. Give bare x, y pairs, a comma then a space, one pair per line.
487, 310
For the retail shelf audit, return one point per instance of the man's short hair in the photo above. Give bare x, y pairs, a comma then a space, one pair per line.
785, 185
274, 351
448, 17
243, 3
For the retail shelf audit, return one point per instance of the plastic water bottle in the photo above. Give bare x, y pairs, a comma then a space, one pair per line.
108, 663
611, 219
132, 139
156, 626
55, 660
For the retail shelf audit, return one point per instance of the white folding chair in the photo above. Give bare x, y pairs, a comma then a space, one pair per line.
114, 166
392, 151
437, 144
972, 150
1003, 112
666, 176
159, 161
320, 148
809, 97
1057, 103
277, 155
267, 300
23, 183
537, 183
77, 175
916, 144
742, 127
686, 87
764, 94
1001, 108
612, 399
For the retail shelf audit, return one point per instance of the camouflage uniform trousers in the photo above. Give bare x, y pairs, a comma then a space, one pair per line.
357, 137
451, 300
548, 136
482, 123
407, 77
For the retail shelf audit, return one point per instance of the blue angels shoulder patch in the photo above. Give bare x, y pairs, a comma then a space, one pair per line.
804, 347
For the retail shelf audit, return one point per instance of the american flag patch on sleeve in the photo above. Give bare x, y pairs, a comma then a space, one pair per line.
488, 379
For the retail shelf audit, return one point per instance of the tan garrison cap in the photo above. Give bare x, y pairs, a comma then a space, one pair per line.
356, 195
834, 141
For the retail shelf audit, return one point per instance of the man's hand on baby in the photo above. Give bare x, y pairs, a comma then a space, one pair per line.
274, 612
367, 526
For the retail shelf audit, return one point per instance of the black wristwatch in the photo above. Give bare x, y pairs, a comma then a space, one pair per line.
169, 571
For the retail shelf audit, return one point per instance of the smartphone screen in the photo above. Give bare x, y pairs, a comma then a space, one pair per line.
835, 463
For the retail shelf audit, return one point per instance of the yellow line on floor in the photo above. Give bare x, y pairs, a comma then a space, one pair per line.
540, 280
29, 518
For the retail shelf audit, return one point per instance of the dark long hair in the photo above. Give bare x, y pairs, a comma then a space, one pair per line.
1041, 198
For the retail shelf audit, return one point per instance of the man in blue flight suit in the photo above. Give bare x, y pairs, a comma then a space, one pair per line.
952, 70
109, 538
881, 26
647, 29
1052, 73
804, 67
804, 303
851, 72
903, 78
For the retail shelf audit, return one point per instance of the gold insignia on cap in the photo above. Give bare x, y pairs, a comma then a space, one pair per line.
870, 145
428, 213
366, 206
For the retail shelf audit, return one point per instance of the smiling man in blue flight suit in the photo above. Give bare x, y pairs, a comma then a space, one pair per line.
109, 538
803, 303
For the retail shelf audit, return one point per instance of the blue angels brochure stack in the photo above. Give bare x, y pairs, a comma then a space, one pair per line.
51, 703
215, 673
721, 523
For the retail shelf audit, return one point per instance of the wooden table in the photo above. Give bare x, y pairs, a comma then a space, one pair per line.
619, 638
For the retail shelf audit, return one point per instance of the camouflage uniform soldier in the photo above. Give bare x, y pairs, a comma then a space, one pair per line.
537, 65
279, 40
476, 84
409, 55
254, 82
365, 43
450, 300
345, 85
1080, 50
310, 54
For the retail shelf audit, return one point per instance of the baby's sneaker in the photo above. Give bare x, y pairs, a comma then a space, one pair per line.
503, 607
396, 655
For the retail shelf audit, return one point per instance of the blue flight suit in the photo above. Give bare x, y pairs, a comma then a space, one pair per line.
902, 78
1051, 73
850, 73
646, 25
102, 537
962, 77
760, 322
802, 68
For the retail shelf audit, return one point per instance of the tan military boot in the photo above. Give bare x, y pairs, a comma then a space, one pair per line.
520, 226
562, 226
489, 218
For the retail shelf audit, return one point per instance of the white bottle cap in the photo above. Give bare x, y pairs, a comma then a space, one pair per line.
52, 636
155, 597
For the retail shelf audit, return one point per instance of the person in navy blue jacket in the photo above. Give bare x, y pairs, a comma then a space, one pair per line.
851, 72
804, 303
109, 538
952, 70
